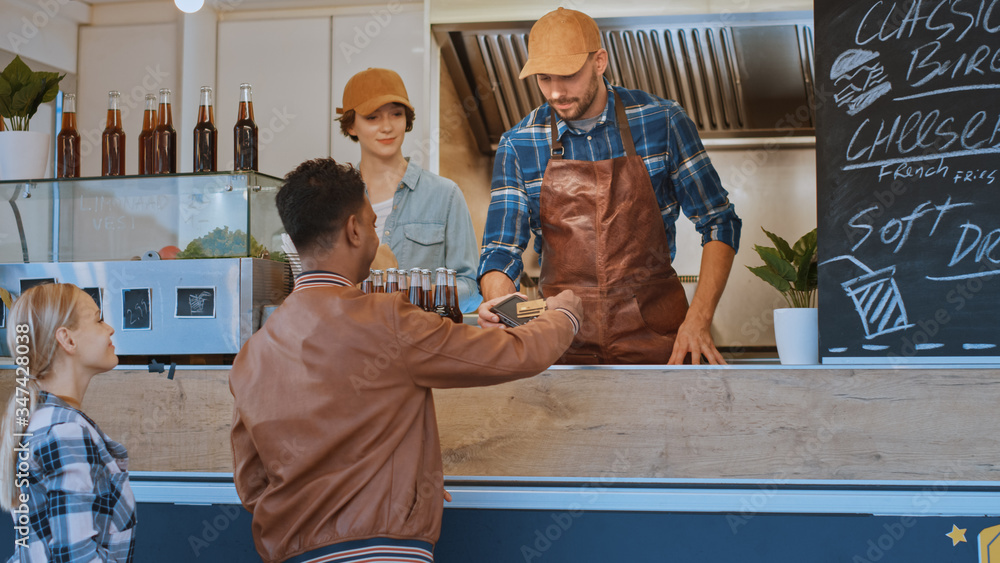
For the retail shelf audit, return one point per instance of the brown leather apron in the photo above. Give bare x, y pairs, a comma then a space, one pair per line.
603, 237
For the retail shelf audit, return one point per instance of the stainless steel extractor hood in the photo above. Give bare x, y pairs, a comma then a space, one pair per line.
736, 75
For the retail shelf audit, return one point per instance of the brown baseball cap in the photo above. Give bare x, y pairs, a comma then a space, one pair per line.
371, 89
560, 42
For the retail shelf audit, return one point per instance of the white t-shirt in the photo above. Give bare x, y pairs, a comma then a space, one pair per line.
382, 211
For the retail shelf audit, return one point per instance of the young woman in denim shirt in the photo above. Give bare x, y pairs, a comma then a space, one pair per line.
422, 217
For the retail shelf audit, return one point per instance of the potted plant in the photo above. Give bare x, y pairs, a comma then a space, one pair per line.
793, 271
23, 153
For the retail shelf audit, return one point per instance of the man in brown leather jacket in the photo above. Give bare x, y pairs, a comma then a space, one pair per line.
334, 435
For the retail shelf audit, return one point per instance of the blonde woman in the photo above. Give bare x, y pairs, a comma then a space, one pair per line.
422, 217
64, 481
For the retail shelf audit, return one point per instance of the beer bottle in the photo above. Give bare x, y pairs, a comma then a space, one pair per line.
146, 136
113, 139
366, 285
164, 137
377, 286
454, 310
441, 292
68, 141
425, 285
206, 136
404, 284
416, 295
245, 133
391, 280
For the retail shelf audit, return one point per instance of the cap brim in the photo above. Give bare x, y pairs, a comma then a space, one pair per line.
373, 104
563, 65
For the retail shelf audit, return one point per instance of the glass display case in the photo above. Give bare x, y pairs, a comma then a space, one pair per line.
214, 215
180, 264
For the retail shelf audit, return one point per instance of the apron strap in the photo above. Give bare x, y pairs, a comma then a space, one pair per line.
623, 129
557, 149
556, 153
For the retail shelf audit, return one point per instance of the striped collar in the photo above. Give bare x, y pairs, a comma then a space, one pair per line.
320, 278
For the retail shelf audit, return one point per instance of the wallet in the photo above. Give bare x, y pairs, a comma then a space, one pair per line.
507, 311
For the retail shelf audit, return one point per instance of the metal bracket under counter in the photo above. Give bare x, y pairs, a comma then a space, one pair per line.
879, 498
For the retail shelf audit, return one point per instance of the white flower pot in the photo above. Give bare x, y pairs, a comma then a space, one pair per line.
796, 332
24, 155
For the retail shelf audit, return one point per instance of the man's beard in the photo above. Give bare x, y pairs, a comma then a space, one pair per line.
582, 104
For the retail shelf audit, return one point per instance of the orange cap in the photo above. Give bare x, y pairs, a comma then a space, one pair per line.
371, 89
560, 42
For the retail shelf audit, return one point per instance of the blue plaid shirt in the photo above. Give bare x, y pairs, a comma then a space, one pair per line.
80, 504
665, 137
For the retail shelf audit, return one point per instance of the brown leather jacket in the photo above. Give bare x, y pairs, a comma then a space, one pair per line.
334, 434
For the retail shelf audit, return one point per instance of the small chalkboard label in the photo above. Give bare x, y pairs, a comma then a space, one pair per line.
96, 294
195, 302
30, 283
3, 315
136, 313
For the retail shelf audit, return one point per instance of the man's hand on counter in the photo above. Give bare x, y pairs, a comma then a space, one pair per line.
695, 338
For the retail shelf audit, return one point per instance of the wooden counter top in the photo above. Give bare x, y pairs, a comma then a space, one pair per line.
743, 422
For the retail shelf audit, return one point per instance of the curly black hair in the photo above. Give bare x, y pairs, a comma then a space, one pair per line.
316, 200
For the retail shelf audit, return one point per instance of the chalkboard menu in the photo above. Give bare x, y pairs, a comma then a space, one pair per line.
908, 166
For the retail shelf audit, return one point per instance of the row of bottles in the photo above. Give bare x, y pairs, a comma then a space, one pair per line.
416, 284
158, 140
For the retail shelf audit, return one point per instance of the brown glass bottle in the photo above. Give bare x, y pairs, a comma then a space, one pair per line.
416, 294
377, 285
68, 141
146, 136
391, 280
366, 285
113, 139
245, 133
404, 283
206, 136
454, 310
425, 284
441, 292
164, 137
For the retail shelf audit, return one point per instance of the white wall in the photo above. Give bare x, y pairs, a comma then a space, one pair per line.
43, 31
771, 188
390, 38
460, 11
288, 64
298, 67
135, 60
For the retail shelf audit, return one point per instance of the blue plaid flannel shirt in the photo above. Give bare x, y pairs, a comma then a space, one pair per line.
665, 137
80, 504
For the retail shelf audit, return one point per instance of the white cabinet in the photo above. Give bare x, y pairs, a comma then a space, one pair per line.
288, 63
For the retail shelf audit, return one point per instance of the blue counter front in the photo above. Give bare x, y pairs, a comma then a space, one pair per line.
198, 518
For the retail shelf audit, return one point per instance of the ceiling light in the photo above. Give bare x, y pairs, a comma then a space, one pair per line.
189, 6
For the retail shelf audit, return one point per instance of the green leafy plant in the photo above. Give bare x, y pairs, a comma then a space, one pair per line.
222, 243
792, 270
22, 91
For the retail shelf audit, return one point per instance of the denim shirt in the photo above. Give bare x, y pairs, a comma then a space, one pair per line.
430, 227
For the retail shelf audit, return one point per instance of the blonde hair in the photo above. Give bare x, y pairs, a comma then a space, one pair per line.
31, 339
